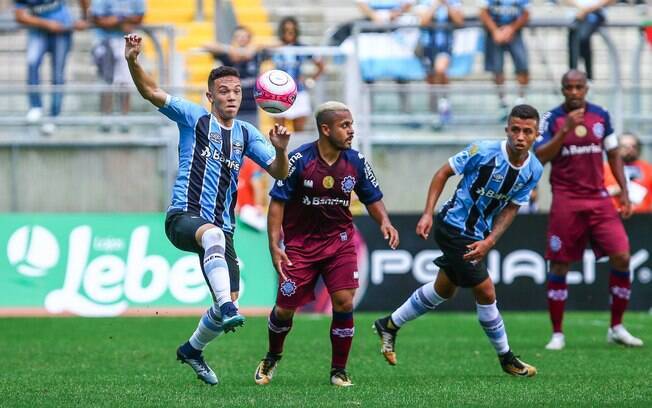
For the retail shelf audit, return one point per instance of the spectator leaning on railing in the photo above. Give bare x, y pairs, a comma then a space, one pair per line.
438, 46
246, 57
50, 24
589, 16
503, 20
114, 19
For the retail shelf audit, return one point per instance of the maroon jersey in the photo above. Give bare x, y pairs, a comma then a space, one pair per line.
317, 198
577, 168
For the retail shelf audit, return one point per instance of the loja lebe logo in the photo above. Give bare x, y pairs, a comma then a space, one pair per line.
104, 284
33, 250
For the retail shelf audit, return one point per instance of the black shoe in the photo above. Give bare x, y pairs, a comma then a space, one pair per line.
512, 365
387, 339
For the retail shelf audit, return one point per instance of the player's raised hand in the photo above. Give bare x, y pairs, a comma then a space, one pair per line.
574, 118
133, 46
424, 226
279, 257
279, 136
391, 234
625, 205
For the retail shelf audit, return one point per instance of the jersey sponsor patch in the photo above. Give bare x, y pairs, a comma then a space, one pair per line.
215, 137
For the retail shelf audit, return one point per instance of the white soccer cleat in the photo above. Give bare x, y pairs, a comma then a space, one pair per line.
620, 335
557, 342
340, 378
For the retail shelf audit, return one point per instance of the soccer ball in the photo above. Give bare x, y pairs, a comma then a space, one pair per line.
275, 91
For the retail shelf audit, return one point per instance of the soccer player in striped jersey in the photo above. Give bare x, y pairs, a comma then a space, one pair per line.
497, 178
201, 216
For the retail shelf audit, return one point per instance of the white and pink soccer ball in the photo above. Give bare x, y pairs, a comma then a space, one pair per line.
275, 91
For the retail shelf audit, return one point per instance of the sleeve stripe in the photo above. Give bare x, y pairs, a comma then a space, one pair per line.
610, 142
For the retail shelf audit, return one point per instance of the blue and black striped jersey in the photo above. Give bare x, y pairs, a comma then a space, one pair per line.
210, 157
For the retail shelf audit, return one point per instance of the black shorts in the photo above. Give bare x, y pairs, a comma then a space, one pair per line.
453, 244
180, 228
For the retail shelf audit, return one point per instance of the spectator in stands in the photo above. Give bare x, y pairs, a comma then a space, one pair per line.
503, 20
384, 11
50, 24
588, 19
114, 19
638, 172
438, 46
252, 197
246, 57
288, 33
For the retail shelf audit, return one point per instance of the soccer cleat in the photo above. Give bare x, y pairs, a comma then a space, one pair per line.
200, 367
230, 317
266, 369
387, 339
557, 342
512, 365
340, 378
619, 335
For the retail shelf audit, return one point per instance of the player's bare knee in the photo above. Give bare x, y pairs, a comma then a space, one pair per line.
282, 313
559, 269
343, 305
620, 261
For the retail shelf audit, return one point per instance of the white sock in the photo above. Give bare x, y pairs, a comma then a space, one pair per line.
209, 327
215, 265
493, 326
422, 300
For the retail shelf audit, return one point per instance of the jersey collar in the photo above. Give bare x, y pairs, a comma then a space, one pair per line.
503, 148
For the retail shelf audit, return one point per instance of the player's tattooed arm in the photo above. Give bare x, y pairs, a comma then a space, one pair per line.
274, 222
145, 84
479, 249
434, 191
550, 150
616, 165
378, 212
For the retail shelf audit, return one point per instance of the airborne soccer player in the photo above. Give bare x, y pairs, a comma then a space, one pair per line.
201, 217
497, 178
574, 137
311, 235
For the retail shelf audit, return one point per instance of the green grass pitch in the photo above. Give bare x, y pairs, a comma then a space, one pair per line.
444, 360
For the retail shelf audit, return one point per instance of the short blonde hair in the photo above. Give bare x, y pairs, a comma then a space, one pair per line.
322, 113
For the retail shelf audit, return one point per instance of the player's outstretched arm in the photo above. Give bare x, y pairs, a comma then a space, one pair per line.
434, 191
279, 136
144, 83
479, 249
274, 222
378, 212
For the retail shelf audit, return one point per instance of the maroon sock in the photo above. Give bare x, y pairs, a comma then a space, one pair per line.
619, 291
342, 330
557, 295
278, 330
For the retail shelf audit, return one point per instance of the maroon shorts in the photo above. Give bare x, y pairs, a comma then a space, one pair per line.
339, 271
573, 223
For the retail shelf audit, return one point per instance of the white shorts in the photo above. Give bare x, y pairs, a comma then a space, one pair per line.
301, 107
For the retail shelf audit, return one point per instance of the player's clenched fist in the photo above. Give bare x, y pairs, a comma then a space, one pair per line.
133, 46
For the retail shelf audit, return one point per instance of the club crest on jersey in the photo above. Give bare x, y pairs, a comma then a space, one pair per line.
328, 182
288, 288
348, 184
237, 148
215, 137
555, 243
598, 129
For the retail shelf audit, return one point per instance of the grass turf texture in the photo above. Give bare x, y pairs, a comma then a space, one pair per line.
444, 360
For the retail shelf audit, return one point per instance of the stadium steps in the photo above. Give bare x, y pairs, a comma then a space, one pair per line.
190, 35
